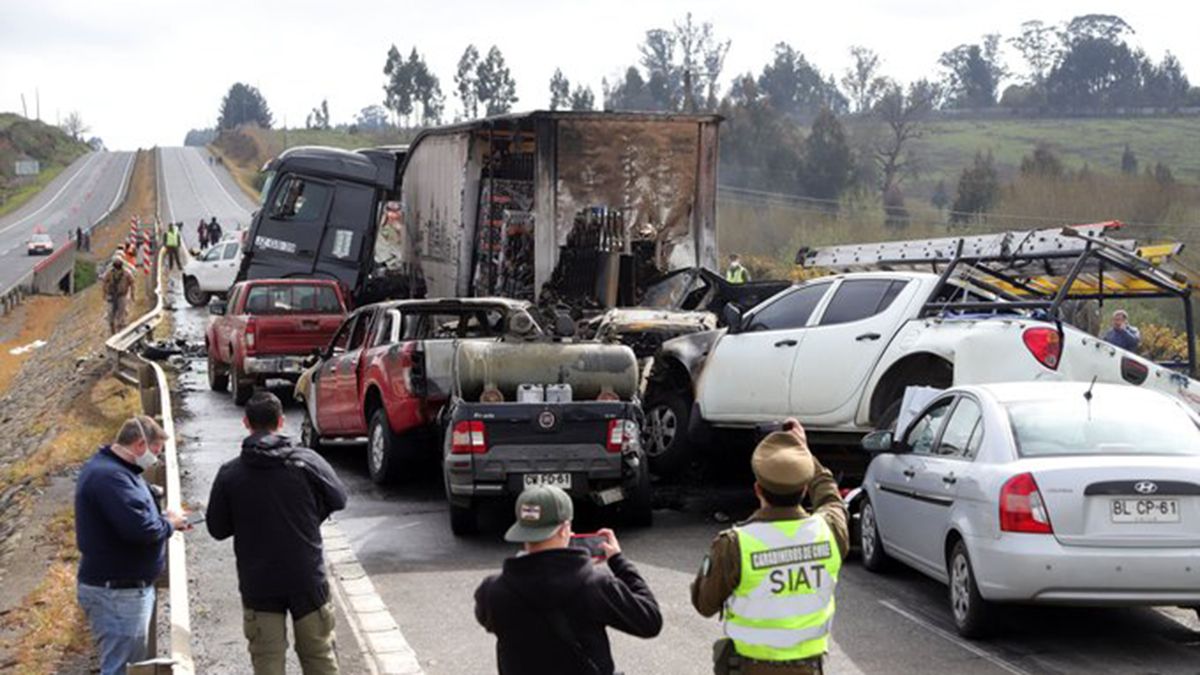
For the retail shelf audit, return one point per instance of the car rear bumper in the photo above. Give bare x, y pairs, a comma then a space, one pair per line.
290, 366
1037, 568
501, 470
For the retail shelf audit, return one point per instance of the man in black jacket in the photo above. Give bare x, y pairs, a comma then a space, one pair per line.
550, 604
272, 500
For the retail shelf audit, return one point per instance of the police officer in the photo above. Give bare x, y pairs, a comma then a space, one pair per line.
773, 576
737, 272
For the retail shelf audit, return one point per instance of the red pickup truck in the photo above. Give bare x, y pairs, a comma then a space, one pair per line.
387, 373
267, 329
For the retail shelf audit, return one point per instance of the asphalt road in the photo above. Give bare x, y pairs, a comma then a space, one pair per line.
195, 189
898, 623
77, 197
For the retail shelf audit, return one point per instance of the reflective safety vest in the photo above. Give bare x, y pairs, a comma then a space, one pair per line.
782, 608
736, 274
172, 238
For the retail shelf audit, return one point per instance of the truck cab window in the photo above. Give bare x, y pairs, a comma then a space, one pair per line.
231, 251
790, 311
858, 299
342, 339
300, 200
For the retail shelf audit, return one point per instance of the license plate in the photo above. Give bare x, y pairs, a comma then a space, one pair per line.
611, 495
1145, 511
562, 480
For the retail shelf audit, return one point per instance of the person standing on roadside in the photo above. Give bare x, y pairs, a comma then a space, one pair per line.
550, 604
272, 500
121, 536
736, 273
1123, 334
172, 240
773, 576
202, 232
118, 284
214, 231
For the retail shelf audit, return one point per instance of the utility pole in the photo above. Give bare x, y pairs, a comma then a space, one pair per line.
24, 108
37, 97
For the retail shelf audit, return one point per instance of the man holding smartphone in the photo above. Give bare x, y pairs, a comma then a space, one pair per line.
122, 539
550, 605
773, 576
272, 499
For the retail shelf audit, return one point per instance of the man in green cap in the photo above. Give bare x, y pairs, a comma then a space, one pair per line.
549, 606
774, 575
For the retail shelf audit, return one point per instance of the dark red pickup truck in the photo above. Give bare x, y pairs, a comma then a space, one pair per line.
267, 329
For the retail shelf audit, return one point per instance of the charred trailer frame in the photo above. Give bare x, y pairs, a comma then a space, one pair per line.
571, 207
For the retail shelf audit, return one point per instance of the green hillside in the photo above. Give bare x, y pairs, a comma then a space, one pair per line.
46, 143
950, 145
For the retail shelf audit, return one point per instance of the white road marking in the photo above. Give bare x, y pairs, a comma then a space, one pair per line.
50, 202
120, 188
981, 653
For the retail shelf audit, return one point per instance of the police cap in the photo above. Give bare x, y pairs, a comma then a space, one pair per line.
782, 462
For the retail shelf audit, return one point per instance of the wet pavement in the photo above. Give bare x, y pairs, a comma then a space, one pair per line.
892, 623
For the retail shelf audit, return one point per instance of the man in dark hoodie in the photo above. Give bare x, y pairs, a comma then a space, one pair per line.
549, 606
272, 500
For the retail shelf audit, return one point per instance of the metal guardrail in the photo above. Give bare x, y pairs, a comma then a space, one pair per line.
151, 381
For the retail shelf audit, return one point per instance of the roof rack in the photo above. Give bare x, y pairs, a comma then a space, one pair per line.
1026, 269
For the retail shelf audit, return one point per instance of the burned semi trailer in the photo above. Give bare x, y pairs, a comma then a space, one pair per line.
581, 208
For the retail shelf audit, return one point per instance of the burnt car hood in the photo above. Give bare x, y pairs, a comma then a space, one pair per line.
643, 320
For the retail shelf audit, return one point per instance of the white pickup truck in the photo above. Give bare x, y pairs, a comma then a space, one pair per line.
838, 352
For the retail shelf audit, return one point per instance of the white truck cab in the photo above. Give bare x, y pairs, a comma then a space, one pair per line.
213, 271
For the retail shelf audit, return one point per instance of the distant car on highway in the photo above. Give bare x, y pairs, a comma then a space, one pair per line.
40, 244
1040, 492
213, 271
268, 330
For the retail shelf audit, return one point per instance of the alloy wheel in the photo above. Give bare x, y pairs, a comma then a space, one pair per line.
375, 452
663, 426
960, 588
868, 531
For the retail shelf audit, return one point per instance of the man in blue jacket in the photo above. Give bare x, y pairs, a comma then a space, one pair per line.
121, 537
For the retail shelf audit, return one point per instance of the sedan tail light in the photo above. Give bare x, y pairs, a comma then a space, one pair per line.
621, 433
468, 438
1022, 508
1045, 344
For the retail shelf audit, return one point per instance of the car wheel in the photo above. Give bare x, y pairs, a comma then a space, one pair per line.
874, 558
193, 294
638, 508
464, 518
382, 449
241, 388
665, 436
309, 437
218, 376
972, 614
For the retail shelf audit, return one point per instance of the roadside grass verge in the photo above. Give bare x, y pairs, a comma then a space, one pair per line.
18, 198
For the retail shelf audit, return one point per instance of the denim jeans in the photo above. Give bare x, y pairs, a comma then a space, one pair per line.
119, 619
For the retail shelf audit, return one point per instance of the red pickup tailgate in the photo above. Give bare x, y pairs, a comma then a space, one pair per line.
292, 317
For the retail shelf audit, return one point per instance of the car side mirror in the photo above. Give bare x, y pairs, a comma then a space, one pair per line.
732, 316
217, 308
878, 441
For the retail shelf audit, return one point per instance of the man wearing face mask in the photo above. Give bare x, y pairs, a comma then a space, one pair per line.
121, 537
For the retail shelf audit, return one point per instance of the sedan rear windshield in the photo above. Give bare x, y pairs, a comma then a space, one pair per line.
1108, 425
293, 299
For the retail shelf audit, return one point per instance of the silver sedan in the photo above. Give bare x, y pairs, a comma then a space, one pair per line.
1058, 493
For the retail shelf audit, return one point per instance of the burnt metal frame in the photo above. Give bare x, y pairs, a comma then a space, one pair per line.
1103, 252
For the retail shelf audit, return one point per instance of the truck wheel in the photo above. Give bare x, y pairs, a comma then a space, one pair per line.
383, 462
309, 437
665, 435
638, 507
874, 558
218, 376
973, 616
193, 294
241, 388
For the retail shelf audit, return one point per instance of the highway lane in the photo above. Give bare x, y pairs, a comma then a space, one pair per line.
194, 189
78, 197
894, 623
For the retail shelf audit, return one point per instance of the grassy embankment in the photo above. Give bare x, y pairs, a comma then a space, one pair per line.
43, 142
47, 626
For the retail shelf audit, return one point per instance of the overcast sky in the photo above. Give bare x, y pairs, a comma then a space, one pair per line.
142, 73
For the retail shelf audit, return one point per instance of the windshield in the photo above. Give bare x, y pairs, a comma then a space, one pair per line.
268, 178
1111, 424
669, 292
